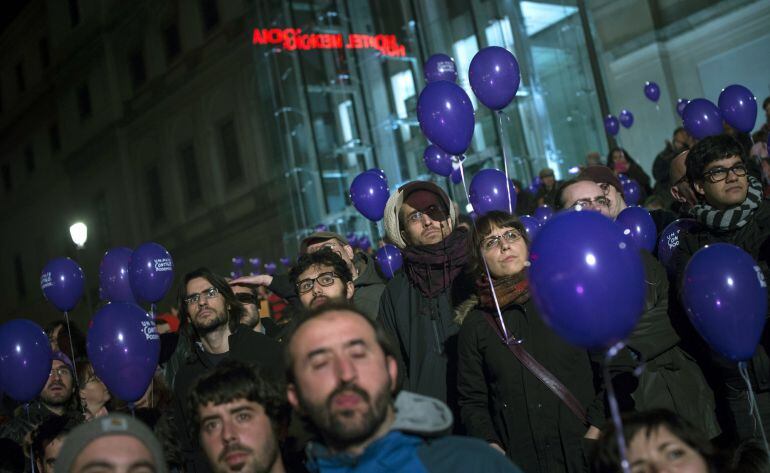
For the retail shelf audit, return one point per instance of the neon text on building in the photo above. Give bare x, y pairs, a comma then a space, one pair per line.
292, 39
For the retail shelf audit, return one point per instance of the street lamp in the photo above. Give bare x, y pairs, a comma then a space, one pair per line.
79, 234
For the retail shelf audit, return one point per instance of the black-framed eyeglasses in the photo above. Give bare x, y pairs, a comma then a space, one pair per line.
62, 372
324, 279
594, 203
720, 174
510, 236
209, 293
245, 298
435, 212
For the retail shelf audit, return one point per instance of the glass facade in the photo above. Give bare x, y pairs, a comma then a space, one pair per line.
341, 111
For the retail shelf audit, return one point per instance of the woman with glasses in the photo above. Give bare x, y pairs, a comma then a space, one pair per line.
94, 395
500, 398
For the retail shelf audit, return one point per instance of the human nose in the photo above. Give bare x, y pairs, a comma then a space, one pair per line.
228, 431
346, 369
425, 219
732, 175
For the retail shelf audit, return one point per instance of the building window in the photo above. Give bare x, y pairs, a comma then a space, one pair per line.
29, 159
172, 41
21, 287
84, 101
136, 68
210, 12
155, 194
74, 8
192, 181
45, 52
229, 140
54, 138
21, 83
7, 182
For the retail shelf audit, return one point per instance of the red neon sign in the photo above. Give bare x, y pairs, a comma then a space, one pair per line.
293, 39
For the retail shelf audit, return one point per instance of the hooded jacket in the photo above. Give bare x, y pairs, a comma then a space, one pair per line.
414, 444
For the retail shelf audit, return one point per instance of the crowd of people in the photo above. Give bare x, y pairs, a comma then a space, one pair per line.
418, 373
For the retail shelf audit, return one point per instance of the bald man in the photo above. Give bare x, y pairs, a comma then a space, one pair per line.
681, 190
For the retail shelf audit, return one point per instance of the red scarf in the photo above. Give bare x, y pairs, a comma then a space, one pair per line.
509, 290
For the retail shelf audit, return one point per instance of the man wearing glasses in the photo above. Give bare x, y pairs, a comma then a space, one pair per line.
320, 277
212, 315
56, 399
417, 307
730, 209
671, 379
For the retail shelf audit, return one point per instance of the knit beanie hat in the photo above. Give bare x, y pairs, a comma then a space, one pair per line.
114, 424
396, 200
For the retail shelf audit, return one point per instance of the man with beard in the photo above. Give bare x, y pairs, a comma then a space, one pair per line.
56, 399
342, 378
239, 418
730, 209
321, 277
48, 438
213, 314
417, 307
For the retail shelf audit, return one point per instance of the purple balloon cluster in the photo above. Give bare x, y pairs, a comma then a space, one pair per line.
737, 107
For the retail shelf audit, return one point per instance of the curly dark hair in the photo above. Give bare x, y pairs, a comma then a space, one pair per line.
235, 311
708, 150
606, 457
324, 257
49, 430
232, 380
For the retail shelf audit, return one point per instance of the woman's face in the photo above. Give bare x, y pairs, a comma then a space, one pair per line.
94, 393
619, 156
505, 251
663, 451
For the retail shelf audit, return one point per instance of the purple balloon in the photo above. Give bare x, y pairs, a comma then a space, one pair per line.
440, 67
680, 105
446, 117
638, 227
543, 214
531, 225
270, 268
611, 124
490, 190
151, 272
725, 297
632, 192
437, 160
701, 118
456, 176
350, 236
669, 241
589, 286
285, 261
652, 91
379, 172
535, 185
494, 77
235, 274
123, 346
364, 243
623, 178
369, 194
254, 261
320, 227
114, 283
62, 282
238, 261
389, 260
626, 118
25, 359
739, 107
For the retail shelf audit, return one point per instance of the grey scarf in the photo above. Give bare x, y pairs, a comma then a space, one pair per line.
734, 217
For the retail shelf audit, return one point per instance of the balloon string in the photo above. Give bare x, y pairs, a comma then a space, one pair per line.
614, 410
753, 407
505, 160
132, 408
72, 352
508, 339
153, 308
462, 177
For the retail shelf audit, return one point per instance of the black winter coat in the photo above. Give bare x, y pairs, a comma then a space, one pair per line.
501, 401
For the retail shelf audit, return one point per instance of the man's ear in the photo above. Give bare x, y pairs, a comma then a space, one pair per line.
350, 289
291, 396
392, 366
403, 237
677, 195
348, 251
698, 188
